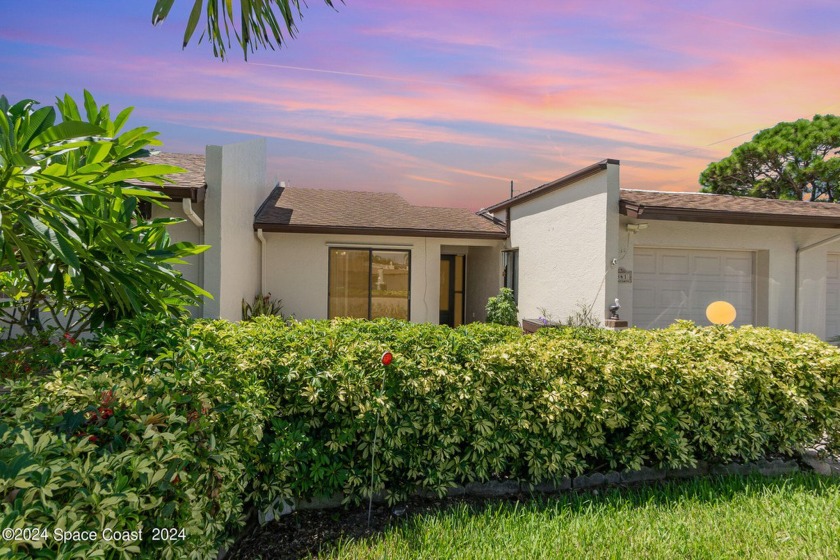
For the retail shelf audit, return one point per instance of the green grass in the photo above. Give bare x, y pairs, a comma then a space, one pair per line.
795, 516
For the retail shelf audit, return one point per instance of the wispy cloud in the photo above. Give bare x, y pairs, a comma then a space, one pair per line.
451, 99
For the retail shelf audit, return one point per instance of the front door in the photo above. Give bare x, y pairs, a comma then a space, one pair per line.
452, 289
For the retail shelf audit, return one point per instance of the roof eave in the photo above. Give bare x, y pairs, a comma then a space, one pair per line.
641, 211
352, 230
177, 193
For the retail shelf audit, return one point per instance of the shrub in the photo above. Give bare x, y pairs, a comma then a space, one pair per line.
196, 421
485, 401
28, 355
501, 309
138, 430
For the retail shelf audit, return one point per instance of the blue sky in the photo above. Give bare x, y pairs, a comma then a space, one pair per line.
446, 102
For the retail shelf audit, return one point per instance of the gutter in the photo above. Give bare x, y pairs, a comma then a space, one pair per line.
186, 204
799, 251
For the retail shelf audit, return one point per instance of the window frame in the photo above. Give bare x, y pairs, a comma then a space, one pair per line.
370, 251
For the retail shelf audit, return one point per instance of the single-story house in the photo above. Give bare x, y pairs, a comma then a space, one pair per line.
581, 240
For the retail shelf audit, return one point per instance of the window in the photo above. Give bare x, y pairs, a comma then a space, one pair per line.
511, 271
369, 283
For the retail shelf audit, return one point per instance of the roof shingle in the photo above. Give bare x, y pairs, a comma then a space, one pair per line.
193, 163
339, 211
718, 208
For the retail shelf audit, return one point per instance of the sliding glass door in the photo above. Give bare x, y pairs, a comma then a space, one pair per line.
369, 283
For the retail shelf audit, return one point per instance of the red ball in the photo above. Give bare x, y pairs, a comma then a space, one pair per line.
387, 358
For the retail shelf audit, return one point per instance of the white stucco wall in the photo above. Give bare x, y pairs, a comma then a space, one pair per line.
189, 232
297, 265
484, 278
566, 240
236, 186
775, 248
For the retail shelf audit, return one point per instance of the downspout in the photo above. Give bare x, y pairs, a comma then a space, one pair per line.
799, 251
261, 237
186, 206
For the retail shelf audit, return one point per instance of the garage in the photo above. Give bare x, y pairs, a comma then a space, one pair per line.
832, 296
671, 284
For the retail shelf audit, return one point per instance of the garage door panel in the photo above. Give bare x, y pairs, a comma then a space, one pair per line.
671, 298
644, 262
671, 284
673, 264
707, 266
645, 297
738, 266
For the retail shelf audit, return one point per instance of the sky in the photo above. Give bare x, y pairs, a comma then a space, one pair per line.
446, 101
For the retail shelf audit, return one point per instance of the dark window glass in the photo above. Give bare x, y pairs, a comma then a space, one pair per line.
369, 283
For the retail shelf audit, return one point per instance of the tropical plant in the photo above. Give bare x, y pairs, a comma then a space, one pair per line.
73, 244
582, 316
259, 26
792, 160
263, 305
501, 309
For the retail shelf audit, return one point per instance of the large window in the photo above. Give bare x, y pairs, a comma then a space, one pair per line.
369, 283
511, 271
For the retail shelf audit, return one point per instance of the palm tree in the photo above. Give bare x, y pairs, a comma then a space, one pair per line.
259, 25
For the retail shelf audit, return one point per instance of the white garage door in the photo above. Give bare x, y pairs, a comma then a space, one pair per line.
671, 284
832, 296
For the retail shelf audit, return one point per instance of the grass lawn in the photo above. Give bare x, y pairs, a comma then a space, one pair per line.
796, 516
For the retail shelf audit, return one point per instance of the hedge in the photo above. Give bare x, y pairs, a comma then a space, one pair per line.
136, 431
193, 423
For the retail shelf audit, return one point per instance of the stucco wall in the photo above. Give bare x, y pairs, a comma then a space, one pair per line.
484, 278
775, 249
567, 240
236, 186
189, 232
297, 264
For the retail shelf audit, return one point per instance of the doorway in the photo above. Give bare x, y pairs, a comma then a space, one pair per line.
452, 281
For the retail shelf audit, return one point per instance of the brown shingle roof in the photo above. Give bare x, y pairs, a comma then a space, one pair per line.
375, 213
191, 184
727, 209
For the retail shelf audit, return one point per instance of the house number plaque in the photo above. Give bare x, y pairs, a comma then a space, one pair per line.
625, 276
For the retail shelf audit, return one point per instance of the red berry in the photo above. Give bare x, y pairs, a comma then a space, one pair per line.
387, 358
93, 439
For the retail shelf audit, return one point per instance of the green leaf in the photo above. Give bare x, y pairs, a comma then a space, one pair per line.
140, 172
161, 10
195, 14
68, 130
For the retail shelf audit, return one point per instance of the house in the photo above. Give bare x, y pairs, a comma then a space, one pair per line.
328, 253
667, 255
581, 240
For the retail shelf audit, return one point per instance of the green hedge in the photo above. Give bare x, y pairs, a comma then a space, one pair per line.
209, 418
138, 430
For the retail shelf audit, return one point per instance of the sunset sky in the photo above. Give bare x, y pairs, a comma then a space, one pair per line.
445, 102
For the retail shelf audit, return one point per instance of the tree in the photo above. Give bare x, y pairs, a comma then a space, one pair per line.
258, 22
792, 161
73, 243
